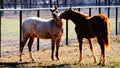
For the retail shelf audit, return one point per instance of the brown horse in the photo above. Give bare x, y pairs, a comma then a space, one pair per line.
90, 27
42, 28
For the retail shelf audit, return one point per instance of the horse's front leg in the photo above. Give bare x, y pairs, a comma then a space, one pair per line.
80, 47
29, 46
91, 48
53, 47
57, 47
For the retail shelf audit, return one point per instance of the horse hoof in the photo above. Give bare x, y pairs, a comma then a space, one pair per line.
99, 64
52, 59
95, 62
103, 65
20, 60
57, 58
32, 59
80, 62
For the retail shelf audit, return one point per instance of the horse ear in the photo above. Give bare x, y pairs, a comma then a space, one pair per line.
51, 10
55, 7
70, 8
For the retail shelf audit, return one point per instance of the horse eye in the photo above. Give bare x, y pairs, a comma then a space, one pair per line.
56, 11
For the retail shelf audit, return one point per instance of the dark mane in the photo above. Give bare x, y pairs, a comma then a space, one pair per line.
80, 13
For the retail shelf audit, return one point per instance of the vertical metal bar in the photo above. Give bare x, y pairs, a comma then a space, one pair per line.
108, 12
109, 9
0, 33
78, 9
20, 27
99, 10
99, 2
38, 15
89, 11
115, 2
96, 2
66, 32
2, 7
116, 18
57, 3
50, 3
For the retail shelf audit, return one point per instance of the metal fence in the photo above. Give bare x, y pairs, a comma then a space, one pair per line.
110, 11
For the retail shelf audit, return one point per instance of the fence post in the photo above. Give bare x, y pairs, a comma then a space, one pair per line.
99, 8
0, 33
20, 27
116, 18
78, 9
66, 32
108, 12
38, 15
89, 11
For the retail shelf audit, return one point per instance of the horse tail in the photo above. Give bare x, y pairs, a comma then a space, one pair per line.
106, 37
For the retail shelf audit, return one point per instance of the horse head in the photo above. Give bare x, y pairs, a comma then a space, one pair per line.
67, 14
55, 13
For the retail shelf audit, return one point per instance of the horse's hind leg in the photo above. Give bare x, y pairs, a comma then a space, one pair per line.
91, 48
30, 45
57, 48
25, 38
102, 57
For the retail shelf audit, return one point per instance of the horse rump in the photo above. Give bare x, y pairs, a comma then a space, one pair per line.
101, 27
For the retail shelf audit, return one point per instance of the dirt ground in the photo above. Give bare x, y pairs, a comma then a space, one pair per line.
69, 56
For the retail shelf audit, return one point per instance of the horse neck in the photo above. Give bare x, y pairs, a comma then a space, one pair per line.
59, 22
77, 18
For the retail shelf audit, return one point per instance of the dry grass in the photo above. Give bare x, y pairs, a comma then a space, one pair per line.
69, 56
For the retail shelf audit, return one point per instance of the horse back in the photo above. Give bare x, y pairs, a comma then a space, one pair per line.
36, 26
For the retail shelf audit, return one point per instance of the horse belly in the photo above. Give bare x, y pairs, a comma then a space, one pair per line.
44, 36
85, 32
43, 33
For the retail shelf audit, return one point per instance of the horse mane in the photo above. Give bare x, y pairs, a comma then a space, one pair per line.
80, 13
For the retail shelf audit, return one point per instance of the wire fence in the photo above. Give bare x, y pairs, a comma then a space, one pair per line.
10, 39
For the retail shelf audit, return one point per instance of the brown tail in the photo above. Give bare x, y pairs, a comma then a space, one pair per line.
107, 34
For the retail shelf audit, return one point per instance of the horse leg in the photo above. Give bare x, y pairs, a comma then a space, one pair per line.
57, 47
91, 48
25, 38
102, 57
80, 47
30, 45
53, 47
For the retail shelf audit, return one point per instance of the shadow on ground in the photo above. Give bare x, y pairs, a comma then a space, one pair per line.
30, 64
36, 64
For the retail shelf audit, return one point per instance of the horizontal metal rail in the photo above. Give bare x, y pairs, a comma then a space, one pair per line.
19, 9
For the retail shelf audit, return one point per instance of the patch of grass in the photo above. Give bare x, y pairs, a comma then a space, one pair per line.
68, 59
9, 28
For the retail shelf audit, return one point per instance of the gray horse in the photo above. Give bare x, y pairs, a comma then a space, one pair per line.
45, 29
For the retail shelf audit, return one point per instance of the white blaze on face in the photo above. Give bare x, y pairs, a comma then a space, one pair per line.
56, 12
